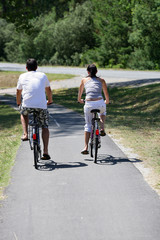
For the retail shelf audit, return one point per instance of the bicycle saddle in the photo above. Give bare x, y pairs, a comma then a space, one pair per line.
95, 111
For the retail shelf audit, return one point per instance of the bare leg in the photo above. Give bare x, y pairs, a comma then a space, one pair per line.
45, 138
86, 138
102, 121
24, 121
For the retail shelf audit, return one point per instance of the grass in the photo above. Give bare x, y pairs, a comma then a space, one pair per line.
9, 79
10, 128
133, 117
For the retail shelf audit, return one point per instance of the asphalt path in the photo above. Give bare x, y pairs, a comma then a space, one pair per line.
71, 198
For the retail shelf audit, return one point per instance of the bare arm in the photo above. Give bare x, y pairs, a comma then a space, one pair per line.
81, 88
49, 95
18, 96
104, 87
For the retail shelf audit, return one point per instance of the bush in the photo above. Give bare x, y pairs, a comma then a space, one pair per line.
140, 60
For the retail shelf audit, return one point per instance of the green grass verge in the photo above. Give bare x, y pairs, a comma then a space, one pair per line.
10, 129
133, 117
9, 79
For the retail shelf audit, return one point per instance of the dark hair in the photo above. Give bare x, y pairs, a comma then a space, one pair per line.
31, 64
92, 69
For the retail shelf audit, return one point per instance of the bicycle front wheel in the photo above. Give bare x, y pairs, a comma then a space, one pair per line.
35, 148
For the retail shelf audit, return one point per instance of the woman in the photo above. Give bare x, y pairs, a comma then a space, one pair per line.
94, 100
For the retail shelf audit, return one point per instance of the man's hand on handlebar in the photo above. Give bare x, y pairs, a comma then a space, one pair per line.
81, 101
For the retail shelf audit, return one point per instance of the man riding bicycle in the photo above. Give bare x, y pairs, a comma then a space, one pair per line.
33, 86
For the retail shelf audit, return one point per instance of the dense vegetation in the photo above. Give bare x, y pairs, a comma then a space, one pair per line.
111, 33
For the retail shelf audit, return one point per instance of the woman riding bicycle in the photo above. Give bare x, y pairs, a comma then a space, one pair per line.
94, 100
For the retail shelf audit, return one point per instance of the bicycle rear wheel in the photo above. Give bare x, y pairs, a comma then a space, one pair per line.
35, 149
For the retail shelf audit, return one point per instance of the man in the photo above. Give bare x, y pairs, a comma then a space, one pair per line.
32, 86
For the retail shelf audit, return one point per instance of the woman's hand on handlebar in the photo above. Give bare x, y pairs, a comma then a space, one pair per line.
49, 102
106, 101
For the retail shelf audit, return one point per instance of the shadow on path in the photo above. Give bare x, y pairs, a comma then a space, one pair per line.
104, 159
50, 165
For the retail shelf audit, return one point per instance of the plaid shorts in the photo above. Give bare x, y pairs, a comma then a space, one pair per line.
43, 115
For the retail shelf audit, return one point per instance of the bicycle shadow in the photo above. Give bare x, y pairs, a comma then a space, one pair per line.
104, 159
50, 165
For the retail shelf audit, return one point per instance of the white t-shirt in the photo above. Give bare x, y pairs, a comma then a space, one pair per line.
33, 86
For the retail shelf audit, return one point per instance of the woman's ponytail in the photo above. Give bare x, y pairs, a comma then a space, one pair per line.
92, 69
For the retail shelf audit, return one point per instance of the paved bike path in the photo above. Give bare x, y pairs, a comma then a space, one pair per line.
71, 198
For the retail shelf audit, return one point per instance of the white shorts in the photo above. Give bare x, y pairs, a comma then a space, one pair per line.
89, 105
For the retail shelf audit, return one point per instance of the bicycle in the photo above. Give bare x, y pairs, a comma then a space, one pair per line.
34, 136
95, 140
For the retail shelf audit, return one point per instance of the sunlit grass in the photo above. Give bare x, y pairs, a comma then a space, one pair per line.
10, 129
9, 79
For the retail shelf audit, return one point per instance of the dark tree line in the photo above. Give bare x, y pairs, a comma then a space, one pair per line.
111, 33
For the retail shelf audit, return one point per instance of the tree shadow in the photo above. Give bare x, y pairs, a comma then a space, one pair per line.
50, 165
135, 83
104, 159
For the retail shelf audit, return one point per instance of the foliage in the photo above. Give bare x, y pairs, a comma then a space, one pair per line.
21, 11
145, 36
72, 35
112, 25
113, 34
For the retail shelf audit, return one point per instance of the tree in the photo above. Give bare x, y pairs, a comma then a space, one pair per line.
112, 20
20, 12
145, 36
73, 34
